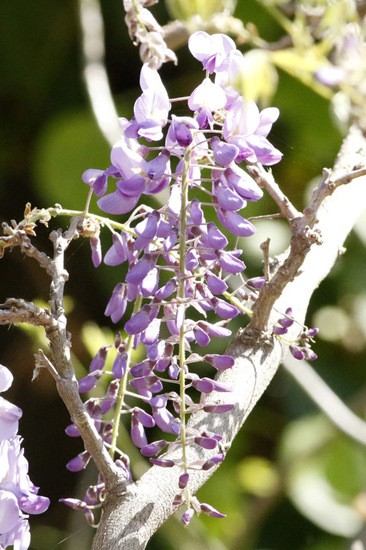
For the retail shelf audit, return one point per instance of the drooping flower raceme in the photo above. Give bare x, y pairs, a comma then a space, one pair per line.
18, 496
178, 261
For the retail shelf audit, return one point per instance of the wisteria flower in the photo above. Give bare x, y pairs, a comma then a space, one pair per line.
248, 128
211, 50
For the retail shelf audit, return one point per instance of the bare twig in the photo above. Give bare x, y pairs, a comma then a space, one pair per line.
95, 74
266, 180
326, 399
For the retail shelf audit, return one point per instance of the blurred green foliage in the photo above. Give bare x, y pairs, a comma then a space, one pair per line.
291, 481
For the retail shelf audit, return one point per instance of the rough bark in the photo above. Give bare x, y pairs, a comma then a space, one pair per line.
132, 514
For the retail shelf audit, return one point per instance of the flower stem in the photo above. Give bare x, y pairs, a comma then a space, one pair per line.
123, 384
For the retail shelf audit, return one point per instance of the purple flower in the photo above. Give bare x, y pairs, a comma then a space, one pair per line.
217, 330
247, 128
211, 511
89, 382
211, 50
18, 496
99, 359
140, 321
149, 285
139, 270
235, 223
79, 462
227, 198
187, 516
9, 413
204, 99
165, 420
180, 131
120, 365
206, 442
96, 250
213, 461
138, 435
154, 448
215, 284
117, 254
256, 282
224, 153
220, 362
116, 306
230, 263
222, 408
224, 309
183, 480
146, 230
236, 178
97, 179
201, 336
152, 107
196, 212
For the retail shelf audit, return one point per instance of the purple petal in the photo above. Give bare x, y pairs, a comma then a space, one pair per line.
117, 254
206, 442
117, 203
211, 511
216, 330
89, 382
162, 462
167, 290
222, 408
133, 186
220, 362
216, 238
154, 448
149, 284
213, 461
117, 304
215, 284
224, 153
139, 271
230, 263
228, 199
72, 431
183, 480
79, 462
138, 435
224, 309
157, 166
145, 418
202, 338
139, 322
236, 224
196, 212
120, 365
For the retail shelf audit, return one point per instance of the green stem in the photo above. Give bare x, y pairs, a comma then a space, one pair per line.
123, 384
181, 298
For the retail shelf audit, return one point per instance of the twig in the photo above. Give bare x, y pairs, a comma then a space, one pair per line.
55, 325
266, 180
326, 399
265, 248
95, 74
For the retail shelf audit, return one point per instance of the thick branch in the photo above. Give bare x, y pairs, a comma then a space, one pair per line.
131, 519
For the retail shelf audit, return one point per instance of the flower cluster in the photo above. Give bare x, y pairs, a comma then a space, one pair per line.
178, 260
18, 496
301, 348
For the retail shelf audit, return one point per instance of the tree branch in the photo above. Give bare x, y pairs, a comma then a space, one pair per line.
130, 519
